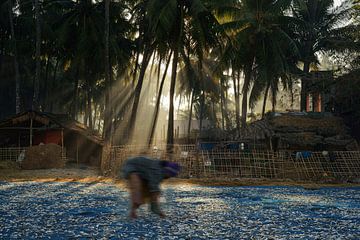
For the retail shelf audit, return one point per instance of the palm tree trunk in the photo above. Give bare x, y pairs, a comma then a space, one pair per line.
227, 120
107, 117
237, 99
304, 86
37, 57
138, 88
158, 77
89, 108
176, 48
265, 99
247, 77
76, 96
222, 105
101, 115
86, 110
157, 106
273, 103
52, 85
202, 103
16, 64
44, 98
95, 113
190, 113
273, 100
170, 132
136, 65
202, 97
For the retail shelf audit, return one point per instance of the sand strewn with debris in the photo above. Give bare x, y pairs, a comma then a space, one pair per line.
61, 174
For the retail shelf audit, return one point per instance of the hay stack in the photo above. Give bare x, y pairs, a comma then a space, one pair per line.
8, 165
43, 157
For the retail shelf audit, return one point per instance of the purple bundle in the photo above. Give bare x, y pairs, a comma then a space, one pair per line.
172, 169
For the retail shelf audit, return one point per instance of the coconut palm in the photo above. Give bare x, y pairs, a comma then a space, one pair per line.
80, 35
37, 55
255, 27
157, 104
318, 29
173, 21
16, 64
201, 88
108, 117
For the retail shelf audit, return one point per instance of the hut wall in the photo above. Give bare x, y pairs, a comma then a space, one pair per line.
48, 136
80, 149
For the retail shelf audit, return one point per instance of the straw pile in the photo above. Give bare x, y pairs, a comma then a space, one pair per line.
43, 157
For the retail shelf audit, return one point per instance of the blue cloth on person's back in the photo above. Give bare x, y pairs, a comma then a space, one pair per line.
148, 169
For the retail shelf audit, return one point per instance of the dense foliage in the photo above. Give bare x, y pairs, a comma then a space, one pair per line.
103, 62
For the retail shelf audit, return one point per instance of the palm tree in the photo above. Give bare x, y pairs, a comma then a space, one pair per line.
145, 47
255, 26
37, 56
108, 117
157, 105
172, 21
84, 22
16, 64
317, 30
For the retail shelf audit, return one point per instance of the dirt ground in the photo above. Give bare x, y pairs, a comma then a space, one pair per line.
76, 173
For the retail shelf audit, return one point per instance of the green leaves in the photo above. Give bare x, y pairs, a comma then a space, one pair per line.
163, 16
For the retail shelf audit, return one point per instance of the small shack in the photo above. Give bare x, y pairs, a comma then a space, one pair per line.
32, 128
302, 131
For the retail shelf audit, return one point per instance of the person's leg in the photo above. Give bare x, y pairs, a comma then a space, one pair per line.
135, 185
155, 204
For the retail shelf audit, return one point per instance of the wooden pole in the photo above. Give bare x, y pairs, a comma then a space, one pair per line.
62, 143
77, 150
31, 130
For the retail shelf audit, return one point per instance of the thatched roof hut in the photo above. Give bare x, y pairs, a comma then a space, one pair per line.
33, 128
302, 131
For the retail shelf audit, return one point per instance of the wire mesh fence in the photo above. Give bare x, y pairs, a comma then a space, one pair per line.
15, 154
226, 163
18, 154
210, 161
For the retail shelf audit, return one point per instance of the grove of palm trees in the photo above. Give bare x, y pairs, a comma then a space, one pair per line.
130, 69
179, 119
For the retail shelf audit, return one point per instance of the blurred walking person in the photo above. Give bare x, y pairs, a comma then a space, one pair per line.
144, 176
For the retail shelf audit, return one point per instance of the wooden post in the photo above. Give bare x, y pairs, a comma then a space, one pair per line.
308, 103
31, 130
62, 143
77, 150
